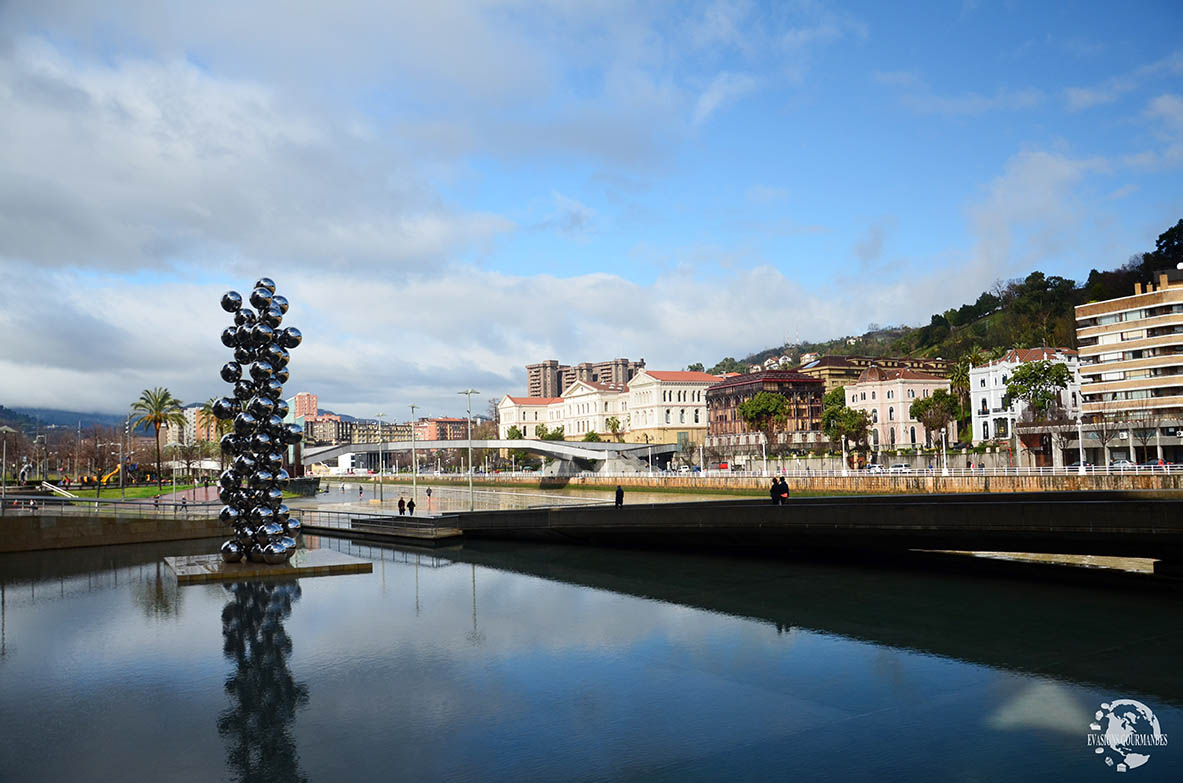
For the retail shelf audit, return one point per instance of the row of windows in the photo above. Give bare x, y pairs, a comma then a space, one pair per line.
892, 440
686, 395
860, 396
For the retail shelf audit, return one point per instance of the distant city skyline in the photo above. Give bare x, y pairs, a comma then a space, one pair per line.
448, 191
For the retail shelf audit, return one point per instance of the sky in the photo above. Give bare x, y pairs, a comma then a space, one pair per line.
449, 191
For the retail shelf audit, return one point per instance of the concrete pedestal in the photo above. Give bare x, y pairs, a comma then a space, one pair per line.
195, 569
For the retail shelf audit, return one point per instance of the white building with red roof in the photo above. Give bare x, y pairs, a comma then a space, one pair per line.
992, 417
656, 406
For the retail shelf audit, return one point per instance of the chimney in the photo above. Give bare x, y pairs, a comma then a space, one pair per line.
1162, 280
1138, 288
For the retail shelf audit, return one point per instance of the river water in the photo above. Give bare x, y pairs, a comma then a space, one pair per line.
497, 661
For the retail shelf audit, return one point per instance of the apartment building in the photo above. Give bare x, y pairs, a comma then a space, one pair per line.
887, 395
993, 416
1131, 351
304, 404
367, 431
551, 379
441, 428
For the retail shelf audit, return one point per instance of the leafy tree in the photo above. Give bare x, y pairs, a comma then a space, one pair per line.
936, 411
1168, 250
592, 437
763, 411
959, 381
1038, 383
696, 367
729, 364
613, 425
542, 432
513, 433
842, 423
157, 408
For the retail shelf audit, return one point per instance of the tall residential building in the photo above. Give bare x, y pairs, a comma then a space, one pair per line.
199, 426
993, 418
303, 404
442, 428
837, 371
551, 379
728, 432
1131, 352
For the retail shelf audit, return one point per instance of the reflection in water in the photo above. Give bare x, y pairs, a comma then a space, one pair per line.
257, 727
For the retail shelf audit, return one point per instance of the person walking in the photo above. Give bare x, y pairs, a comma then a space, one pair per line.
411, 507
402, 506
360, 491
784, 491
774, 492
619, 496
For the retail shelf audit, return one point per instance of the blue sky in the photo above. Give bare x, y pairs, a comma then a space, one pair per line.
449, 191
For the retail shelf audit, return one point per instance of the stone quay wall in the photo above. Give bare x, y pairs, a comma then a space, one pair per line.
25, 533
869, 484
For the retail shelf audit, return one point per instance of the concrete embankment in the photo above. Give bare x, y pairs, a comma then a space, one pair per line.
920, 484
21, 533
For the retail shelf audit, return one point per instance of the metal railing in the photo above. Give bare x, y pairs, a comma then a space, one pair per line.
887, 470
55, 505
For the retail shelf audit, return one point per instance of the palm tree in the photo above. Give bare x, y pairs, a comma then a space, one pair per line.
157, 408
959, 381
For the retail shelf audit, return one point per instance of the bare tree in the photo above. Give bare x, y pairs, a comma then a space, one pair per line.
1106, 425
1144, 428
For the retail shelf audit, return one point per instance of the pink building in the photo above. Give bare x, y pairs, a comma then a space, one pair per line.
304, 404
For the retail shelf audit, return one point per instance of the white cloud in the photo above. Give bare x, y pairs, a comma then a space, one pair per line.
1110, 90
973, 103
725, 88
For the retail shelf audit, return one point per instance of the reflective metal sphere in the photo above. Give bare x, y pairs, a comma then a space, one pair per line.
230, 479
245, 317
230, 337
261, 371
243, 391
260, 299
244, 423
261, 334
275, 553
272, 316
282, 514
231, 301
244, 355
291, 337
261, 407
281, 475
255, 553
260, 479
273, 530
261, 442
231, 372
232, 552
228, 444
293, 434
274, 496
293, 527
245, 464
288, 542
281, 408
229, 515
282, 375
266, 282
280, 301
224, 407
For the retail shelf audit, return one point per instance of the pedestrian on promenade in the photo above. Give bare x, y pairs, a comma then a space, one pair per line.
402, 506
156, 502
360, 491
184, 504
619, 496
784, 491
774, 492
411, 507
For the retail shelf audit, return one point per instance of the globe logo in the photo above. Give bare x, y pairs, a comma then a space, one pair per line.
1124, 732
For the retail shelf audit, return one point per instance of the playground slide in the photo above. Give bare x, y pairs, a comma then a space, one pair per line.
112, 474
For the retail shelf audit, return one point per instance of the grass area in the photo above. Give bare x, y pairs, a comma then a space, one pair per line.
112, 493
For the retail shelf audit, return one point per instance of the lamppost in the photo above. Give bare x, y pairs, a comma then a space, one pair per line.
381, 462
4, 429
468, 394
414, 458
944, 452
1080, 443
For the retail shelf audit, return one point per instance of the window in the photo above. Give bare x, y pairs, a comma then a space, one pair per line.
889, 394
872, 395
913, 436
983, 383
891, 414
667, 415
696, 415
985, 409
892, 431
854, 398
864, 396
682, 416
874, 416
985, 430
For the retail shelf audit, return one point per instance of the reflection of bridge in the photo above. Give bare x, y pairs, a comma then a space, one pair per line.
571, 456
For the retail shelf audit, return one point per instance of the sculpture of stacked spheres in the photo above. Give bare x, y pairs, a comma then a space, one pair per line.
264, 530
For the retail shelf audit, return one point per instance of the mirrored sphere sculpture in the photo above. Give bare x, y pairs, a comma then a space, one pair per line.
251, 488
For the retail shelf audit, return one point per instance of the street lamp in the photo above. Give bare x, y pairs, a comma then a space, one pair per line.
4, 430
468, 394
381, 462
1080, 443
414, 459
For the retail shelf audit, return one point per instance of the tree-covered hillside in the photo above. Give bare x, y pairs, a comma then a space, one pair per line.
1020, 313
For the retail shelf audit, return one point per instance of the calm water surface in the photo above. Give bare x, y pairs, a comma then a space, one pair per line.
533, 662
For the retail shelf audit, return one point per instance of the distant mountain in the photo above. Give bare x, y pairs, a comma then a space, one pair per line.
344, 416
38, 418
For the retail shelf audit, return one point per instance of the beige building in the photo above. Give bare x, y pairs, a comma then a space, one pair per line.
888, 396
1131, 351
838, 371
525, 413
668, 406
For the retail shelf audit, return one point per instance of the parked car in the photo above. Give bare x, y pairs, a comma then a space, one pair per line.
874, 467
1156, 463
900, 467
1120, 463
684, 469
1077, 464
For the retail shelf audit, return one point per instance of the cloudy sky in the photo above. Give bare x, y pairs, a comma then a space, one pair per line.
447, 191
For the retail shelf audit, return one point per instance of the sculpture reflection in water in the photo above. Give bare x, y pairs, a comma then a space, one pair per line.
257, 727
251, 488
